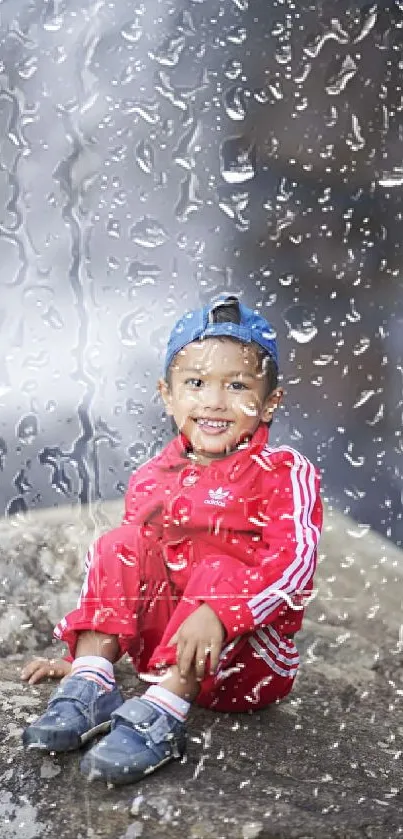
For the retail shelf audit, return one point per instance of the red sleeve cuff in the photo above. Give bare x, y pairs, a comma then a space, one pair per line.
233, 612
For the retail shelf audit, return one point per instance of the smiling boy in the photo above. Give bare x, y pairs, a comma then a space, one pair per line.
204, 583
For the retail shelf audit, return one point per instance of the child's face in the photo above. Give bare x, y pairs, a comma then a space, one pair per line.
218, 395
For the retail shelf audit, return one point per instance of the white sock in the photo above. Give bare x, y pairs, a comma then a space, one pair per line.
95, 668
167, 701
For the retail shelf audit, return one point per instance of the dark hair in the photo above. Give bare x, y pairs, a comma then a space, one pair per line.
228, 312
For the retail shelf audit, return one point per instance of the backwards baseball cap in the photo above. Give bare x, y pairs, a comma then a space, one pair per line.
200, 324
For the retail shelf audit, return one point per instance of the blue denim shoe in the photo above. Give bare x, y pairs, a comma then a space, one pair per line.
142, 739
77, 711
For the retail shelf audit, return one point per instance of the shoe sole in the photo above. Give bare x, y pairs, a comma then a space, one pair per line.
125, 778
39, 746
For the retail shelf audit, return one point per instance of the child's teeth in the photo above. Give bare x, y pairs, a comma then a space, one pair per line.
214, 423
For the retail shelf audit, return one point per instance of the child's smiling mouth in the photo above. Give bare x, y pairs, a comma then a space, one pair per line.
212, 426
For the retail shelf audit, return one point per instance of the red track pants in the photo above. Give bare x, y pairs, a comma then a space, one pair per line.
128, 592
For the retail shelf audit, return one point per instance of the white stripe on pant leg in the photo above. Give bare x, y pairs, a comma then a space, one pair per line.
278, 640
271, 664
282, 668
276, 636
227, 649
223, 654
291, 659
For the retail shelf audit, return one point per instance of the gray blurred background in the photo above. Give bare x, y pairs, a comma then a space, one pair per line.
155, 154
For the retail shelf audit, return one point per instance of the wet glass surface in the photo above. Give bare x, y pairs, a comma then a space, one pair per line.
155, 154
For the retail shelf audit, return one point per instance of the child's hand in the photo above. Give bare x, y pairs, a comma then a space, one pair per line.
200, 635
45, 668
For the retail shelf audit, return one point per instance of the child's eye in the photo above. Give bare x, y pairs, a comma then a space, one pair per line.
194, 382
238, 386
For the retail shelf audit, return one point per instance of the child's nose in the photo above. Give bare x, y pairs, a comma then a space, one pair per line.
214, 397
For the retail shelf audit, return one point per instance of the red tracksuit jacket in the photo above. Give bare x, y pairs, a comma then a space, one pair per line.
245, 529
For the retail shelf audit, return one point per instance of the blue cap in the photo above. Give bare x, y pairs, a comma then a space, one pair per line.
198, 324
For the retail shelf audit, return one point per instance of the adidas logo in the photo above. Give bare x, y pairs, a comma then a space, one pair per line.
218, 497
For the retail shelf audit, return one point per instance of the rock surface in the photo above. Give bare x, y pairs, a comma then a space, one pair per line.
325, 763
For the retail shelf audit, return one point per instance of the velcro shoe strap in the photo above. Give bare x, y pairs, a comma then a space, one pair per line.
152, 724
78, 690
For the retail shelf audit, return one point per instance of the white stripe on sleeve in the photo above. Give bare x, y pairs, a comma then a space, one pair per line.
299, 572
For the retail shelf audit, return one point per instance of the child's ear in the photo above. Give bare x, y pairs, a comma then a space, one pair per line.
271, 404
166, 396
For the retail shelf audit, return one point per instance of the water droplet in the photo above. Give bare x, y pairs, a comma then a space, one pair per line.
28, 428
286, 280
233, 204
28, 68
113, 263
184, 23
183, 153
368, 21
132, 32
3, 452
392, 179
53, 318
361, 346
128, 326
238, 160
353, 316
143, 273
355, 461
360, 531
339, 75
365, 396
16, 506
53, 24
179, 95
170, 51
378, 416
330, 118
233, 69
135, 408
234, 103
300, 324
113, 228
283, 54
144, 156
237, 35
193, 248
189, 200
138, 452
148, 111
303, 72
323, 360
149, 233
118, 153
336, 33
242, 5
21, 482
356, 140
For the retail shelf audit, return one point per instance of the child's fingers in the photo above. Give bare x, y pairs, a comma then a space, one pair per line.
63, 667
32, 666
215, 650
200, 664
185, 659
173, 640
39, 674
